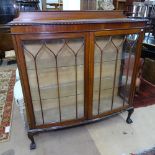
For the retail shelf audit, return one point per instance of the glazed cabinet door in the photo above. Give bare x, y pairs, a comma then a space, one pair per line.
116, 58
54, 66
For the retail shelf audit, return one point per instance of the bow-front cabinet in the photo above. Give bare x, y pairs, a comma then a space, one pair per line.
76, 67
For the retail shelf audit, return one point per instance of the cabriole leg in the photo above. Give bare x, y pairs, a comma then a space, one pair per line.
128, 120
33, 144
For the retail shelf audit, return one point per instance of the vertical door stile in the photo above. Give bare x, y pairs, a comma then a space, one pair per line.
89, 74
25, 84
135, 71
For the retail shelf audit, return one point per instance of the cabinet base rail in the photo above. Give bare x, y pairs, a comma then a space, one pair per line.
32, 132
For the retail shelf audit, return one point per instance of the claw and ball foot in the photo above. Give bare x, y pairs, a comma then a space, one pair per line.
129, 120
33, 144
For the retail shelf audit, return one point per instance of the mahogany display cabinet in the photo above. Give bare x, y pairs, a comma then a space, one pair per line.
76, 67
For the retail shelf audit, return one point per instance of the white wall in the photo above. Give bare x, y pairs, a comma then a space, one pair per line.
71, 4
67, 4
40, 4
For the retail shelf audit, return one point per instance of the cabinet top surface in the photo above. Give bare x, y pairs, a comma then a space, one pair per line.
72, 17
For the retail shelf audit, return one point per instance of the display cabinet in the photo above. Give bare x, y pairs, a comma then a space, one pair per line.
76, 67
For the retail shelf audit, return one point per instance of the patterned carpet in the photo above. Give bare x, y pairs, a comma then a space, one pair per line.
146, 95
7, 81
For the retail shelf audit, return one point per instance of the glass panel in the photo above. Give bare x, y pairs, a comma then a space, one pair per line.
56, 75
113, 66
